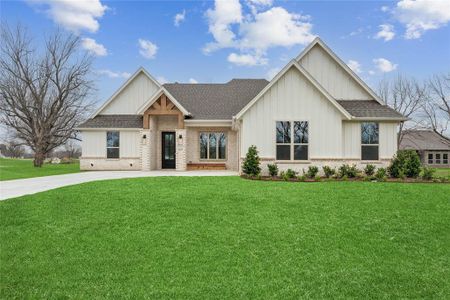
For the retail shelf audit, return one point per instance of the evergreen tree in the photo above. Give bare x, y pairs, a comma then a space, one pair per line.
251, 162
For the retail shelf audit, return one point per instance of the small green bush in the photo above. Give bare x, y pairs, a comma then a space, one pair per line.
349, 171
427, 173
312, 171
328, 171
289, 173
369, 170
406, 161
317, 178
380, 174
301, 178
251, 165
273, 169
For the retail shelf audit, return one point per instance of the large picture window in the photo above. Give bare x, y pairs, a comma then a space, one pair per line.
112, 144
213, 145
292, 140
369, 141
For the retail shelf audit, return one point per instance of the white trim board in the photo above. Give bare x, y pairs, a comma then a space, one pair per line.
155, 96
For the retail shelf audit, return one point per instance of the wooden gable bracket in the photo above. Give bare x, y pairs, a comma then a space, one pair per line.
163, 107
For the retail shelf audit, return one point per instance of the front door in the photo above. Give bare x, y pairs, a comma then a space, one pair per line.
168, 150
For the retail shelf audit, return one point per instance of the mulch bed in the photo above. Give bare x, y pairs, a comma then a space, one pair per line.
363, 179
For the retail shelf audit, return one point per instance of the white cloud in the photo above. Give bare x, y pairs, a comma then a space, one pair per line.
384, 65
147, 49
220, 19
192, 80
384, 8
275, 27
246, 59
272, 73
371, 72
112, 74
386, 32
257, 32
93, 47
179, 18
354, 65
74, 15
420, 16
162, 79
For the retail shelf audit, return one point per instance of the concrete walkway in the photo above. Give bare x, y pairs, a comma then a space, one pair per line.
20, 187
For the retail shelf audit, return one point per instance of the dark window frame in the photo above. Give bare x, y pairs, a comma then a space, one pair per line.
217, 147
293, 145
108, 147
372, 143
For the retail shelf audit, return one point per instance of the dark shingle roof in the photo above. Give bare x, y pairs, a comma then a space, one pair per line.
216, 101
113, 121
369, 109
424, 140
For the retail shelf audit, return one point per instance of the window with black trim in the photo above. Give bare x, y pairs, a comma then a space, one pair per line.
369, 141
292, 140
112, 144
430, 158
445, 158
213, 145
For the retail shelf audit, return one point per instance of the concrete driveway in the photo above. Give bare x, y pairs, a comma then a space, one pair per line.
20, 187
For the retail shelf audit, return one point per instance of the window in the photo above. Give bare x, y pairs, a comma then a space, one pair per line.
430, 158
369, 141
438, 158
291, 140
112, 144
445, 158
213, 145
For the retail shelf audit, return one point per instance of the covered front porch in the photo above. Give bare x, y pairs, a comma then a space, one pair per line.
173, 141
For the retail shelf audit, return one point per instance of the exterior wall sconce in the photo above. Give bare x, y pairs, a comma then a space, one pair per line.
144, 136
180, 136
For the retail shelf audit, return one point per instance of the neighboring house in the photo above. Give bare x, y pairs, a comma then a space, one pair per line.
315, 111
433, 148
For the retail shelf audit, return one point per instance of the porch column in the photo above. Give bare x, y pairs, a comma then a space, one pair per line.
180, 136
145, 149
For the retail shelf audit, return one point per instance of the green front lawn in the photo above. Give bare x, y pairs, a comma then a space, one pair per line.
23, 168
442, 172
226, 237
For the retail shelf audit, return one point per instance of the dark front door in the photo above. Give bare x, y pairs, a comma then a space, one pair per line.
168, 150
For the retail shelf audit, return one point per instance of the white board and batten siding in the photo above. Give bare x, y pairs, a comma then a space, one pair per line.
352, 140
293, 98
332, 76
94, 144
132, 97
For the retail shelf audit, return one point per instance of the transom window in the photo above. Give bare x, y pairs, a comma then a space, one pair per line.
112, 144
213, 145
292, 140
369, 141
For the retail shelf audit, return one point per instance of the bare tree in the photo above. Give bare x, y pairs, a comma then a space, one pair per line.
437, 107
43, 96
14, 149
405, 95
72, 150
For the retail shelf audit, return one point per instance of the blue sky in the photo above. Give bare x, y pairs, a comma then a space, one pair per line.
217, 41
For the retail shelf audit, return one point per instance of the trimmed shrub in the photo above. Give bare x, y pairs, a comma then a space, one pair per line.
380, 174
349, 171
312, 171
317, 178
301, 178
289, 173
251, 165
328, 171
427, 173
406, 161
369, 170
273, 169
